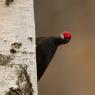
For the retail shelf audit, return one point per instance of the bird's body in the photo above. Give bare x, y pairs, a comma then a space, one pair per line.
44, 54
45, 50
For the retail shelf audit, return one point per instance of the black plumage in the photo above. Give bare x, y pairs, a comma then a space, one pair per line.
45, 50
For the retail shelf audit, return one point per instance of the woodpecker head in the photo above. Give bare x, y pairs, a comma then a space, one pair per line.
65, 36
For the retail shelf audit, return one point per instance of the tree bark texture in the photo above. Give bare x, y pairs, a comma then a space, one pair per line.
17, 48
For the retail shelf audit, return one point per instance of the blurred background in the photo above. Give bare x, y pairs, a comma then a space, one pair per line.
72, 70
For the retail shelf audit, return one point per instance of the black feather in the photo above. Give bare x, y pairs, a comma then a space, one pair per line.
45, 50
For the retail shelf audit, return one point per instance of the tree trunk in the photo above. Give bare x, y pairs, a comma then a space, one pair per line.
17, 48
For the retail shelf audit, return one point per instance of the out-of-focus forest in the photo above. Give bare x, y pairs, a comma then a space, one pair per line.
72, 70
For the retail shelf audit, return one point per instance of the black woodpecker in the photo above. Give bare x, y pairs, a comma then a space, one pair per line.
46, 48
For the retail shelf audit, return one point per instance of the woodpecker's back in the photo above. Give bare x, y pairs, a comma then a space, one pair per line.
44, 52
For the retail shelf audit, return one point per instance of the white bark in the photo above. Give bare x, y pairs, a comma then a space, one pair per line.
17, 51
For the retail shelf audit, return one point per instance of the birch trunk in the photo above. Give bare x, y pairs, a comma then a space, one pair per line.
17, 48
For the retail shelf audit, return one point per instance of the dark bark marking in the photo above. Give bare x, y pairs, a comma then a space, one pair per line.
30, 38
8, 2
24, 84
5, 59
16, 45
13, 51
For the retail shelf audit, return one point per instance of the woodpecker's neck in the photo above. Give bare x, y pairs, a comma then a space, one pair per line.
60, 41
